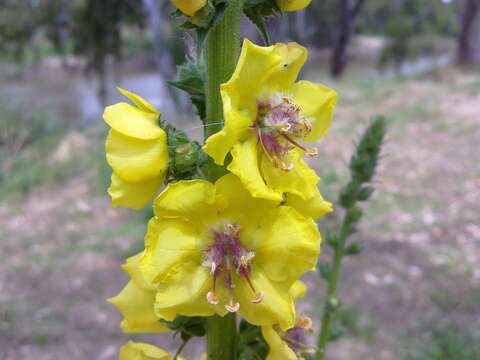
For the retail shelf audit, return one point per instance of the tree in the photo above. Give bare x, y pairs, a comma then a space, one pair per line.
466, 39
348, 11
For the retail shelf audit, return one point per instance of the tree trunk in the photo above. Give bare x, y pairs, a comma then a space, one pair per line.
348, 11
466, 39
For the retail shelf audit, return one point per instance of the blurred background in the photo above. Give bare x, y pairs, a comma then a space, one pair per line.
414, 292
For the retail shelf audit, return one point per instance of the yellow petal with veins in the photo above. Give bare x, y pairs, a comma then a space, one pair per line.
140, 102
301, 180
290, 245
316, 102
131, 121
314, 207
136, 306
133, 195
136, 160
276, 306
168, 245
245, 165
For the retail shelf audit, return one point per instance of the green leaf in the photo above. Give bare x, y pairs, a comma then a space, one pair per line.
259, 22
191, 79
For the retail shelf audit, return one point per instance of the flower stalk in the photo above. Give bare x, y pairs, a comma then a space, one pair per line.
223, 47
362, 168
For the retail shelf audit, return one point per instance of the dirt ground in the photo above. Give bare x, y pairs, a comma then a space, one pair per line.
62, 245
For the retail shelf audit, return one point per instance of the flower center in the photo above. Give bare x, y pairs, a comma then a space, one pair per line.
279, 128
228, 260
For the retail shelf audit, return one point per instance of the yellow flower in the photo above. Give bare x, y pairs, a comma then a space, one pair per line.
189, 7
213, 249
290, 344
136, 150
268, 117
136, 302
292, 5
141, 351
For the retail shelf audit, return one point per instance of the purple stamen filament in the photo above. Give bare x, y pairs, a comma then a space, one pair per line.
227, 258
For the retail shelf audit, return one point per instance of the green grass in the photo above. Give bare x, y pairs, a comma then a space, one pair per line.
26, 145
446, 342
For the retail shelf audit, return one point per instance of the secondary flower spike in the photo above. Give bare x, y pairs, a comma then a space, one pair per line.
269, 119
214, 249
189, 7
136, 149
292, 5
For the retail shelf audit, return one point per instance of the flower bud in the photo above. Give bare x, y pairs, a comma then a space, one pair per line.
189, 7
292, 5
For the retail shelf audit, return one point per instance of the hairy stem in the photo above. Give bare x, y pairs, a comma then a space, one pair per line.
223, 47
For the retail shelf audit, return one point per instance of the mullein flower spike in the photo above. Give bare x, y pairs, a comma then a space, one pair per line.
137, 151
232, 253
268, 120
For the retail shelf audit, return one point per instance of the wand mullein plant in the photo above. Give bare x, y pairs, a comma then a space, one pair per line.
234, 225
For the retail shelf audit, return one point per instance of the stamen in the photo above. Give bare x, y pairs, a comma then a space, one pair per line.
213, 268
259, 298
233, 307
312, 152
304, 322
212, 298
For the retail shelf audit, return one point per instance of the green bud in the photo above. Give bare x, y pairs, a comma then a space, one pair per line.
332, 239
348, 195
325, 270
354, 248
333, 304
354, 215
364, 193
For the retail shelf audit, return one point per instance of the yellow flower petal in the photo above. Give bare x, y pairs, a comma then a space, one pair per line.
278, 349
133, 195
245, 165
314, 207
140, 102
276, 306
316, 102
301, 180
136, 305
298, 289
189, 7
292, 5
132, 267
131, 121
168, 245
137, 160
293, 57
142, 351
239, 202
185, 294
290, 246
190, 199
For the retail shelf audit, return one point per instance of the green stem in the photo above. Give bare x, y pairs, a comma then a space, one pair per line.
222, 337
331, 300
223, 48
